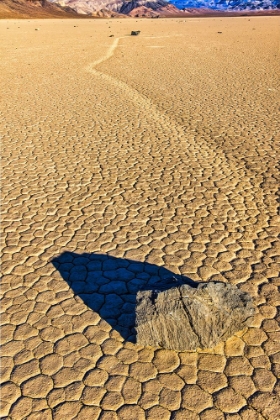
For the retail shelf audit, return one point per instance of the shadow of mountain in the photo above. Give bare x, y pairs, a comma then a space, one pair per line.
109, 285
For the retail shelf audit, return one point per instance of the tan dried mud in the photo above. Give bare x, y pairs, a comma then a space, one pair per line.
160, 148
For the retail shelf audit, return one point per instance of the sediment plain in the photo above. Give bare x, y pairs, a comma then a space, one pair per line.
128, 160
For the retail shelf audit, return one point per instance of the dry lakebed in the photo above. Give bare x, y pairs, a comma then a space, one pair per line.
128, 160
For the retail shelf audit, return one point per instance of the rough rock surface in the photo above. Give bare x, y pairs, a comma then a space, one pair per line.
185, 318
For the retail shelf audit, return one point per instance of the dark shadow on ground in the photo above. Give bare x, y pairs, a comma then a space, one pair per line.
109, 285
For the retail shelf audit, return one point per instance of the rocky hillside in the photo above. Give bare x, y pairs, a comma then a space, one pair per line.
33, 9
83, 8
134, 8
162, 8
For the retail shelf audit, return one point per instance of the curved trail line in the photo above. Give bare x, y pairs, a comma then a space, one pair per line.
204, 153
148, 107
141, 100
105, 57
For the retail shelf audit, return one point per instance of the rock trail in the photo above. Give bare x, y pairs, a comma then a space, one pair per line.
117, 176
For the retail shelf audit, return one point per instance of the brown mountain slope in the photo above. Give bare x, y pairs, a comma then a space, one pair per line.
85, 8
21, 9
106, 9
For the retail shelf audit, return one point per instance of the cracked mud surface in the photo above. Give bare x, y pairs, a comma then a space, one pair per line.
128, 161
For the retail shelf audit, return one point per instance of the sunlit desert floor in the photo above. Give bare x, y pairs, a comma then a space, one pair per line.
126, 159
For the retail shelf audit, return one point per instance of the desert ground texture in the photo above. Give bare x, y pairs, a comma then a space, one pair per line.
126, 159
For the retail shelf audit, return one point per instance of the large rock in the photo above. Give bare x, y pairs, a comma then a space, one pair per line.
185, 318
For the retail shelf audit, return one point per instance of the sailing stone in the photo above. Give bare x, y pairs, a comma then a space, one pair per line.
184, 318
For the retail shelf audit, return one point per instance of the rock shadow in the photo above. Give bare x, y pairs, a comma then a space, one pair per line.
109, 285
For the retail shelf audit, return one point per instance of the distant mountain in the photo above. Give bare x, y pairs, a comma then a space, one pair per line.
230, 5
162, 8
33, 9
135, 8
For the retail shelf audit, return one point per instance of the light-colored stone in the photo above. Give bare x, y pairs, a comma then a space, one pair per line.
186, 318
